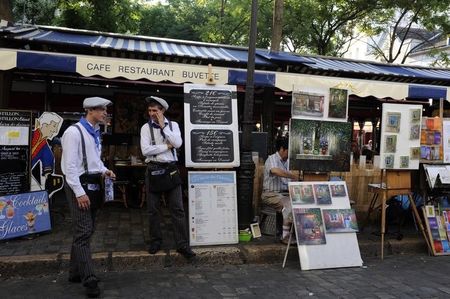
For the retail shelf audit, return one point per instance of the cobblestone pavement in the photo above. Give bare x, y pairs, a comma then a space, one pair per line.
409, 276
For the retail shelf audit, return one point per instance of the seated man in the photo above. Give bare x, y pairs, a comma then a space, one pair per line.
275, 184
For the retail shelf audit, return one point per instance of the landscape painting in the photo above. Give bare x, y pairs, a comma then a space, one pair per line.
340, 220
319, 146
301, 194
309, 226
307, 104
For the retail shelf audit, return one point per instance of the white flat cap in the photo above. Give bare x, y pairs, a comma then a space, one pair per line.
160, 101
95, 102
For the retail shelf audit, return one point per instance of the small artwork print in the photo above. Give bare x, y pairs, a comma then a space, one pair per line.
404, 161
340, 221
393, 122
338, 103
322, 193
309, 226
429, 211
256, 231
415, 153
301, 194
338, 190
414, 133
389, 161
307, 104
415, 115
391, 144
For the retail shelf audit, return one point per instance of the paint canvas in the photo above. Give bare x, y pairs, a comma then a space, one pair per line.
309, 226
307, 104
319, 146
391, 143
340, 220
322, 194
338, 103
393, 122
301, 194
338, 190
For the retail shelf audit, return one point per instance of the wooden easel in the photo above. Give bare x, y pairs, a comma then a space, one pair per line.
307, 177
397, 182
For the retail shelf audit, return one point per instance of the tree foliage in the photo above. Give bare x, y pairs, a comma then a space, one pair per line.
397, 20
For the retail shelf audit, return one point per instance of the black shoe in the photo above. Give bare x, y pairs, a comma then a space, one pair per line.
154, 248
186, 252
92, 289
75, 279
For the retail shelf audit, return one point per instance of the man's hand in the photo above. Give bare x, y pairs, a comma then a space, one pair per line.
111, 174
83, 202
160, 117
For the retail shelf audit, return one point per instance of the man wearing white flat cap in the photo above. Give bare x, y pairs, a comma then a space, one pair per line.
160, 138
84, 172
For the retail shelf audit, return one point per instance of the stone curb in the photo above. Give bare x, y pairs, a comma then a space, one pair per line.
33, 265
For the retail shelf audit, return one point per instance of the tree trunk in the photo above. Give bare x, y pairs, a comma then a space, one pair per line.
277, 25
6, 10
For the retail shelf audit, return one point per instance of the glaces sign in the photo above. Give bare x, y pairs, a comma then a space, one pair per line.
24, 214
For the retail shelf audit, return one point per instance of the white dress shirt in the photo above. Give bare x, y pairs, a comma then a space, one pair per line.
160, 152
72, 157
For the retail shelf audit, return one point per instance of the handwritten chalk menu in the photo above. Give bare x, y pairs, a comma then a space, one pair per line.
212, 208
15, 128
211, 126
212, 145
24, 214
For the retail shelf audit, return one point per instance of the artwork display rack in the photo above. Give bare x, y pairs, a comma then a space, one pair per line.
307, 177
393, 183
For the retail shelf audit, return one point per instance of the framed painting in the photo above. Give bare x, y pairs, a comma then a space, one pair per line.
338, 105
307, 104
340, 220
309, 226
322, 194
393, 122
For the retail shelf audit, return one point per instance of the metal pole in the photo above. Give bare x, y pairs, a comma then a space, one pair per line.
246, 171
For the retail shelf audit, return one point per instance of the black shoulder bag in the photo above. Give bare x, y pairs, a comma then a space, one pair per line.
162, 176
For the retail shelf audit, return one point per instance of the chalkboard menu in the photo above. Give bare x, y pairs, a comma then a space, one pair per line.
210, 106
15, 128
211, 127
212, 146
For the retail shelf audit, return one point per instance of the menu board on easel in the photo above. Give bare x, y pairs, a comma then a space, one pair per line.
211, 126
15, 130
212, 207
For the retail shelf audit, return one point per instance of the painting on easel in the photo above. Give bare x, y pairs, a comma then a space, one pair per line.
319, 146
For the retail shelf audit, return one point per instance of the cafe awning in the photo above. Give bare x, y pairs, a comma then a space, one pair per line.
111, 55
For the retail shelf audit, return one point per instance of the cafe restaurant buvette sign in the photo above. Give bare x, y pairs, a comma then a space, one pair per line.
151, 70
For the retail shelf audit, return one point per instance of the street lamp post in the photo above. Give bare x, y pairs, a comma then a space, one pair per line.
246, 171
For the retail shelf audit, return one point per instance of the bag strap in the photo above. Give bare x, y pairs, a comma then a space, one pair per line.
153, 137
83, 146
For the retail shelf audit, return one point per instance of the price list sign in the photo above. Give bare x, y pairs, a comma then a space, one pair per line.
15, 130
211, 126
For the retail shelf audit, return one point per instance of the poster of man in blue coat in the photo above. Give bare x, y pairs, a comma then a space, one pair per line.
47, 126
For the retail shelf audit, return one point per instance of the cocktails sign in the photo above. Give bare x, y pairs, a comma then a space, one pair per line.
24, 214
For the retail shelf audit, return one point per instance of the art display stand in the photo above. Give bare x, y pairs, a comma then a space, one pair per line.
307, 177
396, 182
325, 225
436, 214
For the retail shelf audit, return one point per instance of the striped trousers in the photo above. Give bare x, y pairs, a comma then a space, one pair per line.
175, 201
83, 222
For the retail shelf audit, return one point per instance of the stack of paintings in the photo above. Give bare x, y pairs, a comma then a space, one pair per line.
438, 226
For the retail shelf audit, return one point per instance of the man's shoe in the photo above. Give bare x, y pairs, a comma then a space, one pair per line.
92, 289
154, 248
285, 240
186, 252
74, 279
